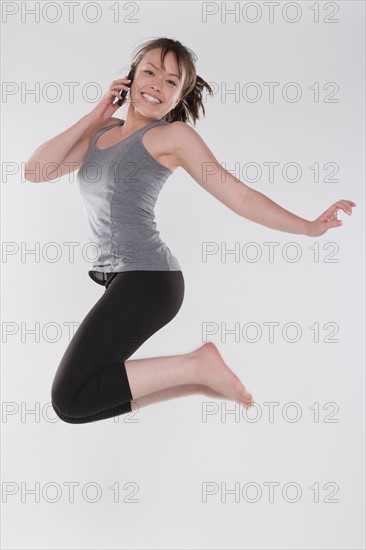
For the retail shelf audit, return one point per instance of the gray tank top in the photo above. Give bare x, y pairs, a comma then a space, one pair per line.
119, 186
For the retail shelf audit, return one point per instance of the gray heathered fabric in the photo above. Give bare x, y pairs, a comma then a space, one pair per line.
119, 187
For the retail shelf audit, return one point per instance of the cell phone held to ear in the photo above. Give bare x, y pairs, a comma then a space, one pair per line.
124, 92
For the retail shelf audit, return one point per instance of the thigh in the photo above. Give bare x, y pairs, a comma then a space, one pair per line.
134, 306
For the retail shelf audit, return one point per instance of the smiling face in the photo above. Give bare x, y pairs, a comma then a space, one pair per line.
162, 83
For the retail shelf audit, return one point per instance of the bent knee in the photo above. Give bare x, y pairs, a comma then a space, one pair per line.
62, 416
64, 408
64, 404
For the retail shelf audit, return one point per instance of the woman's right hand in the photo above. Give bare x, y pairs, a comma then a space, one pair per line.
105, 108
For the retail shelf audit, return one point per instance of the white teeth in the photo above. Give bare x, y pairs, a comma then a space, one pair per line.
149, 98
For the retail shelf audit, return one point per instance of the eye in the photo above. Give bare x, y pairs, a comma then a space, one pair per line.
172, 81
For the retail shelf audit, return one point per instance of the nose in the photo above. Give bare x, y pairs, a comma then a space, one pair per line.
155, 87
156, 84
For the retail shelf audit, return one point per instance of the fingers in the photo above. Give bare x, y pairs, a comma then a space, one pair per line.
119, 80
332, 217
118, 88
345, 205
118, 85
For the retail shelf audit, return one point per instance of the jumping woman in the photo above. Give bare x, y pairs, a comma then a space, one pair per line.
122, 166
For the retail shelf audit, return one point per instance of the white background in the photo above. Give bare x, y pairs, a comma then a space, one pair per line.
167, 450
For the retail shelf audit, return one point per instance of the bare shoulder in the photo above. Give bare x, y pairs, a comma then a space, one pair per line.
197, 159
186, 143
170, 144
181, 130
184, 136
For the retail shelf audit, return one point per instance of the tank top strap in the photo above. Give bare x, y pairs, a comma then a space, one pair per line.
104, 129
148, 126
137, 135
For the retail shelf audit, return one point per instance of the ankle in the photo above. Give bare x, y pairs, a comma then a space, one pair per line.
194, 365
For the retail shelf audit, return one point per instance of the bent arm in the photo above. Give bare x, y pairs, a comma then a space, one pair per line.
47, 160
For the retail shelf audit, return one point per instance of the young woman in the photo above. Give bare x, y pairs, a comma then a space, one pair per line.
123, 165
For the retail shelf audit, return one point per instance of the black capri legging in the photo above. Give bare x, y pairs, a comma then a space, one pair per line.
91, 381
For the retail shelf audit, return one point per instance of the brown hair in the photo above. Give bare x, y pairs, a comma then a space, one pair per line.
191, 93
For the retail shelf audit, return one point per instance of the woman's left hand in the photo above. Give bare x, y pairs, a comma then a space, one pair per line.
329, 219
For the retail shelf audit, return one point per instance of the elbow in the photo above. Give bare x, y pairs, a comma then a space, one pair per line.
29, 177
32, 175
26, 175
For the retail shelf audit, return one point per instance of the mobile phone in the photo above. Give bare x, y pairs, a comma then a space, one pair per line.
124, 92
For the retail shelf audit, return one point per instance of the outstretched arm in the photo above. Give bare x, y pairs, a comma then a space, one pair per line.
260, 209
197, 159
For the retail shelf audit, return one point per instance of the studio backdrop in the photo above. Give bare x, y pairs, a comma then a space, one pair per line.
285, 310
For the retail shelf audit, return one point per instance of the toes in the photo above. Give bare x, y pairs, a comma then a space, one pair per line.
248, 398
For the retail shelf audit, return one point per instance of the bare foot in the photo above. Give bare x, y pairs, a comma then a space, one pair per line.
215, 374
173, 393
208, 392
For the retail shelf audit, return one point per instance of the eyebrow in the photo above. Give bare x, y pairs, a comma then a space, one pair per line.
170, 74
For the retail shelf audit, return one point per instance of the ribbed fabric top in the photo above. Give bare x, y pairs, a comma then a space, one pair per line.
119, 187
